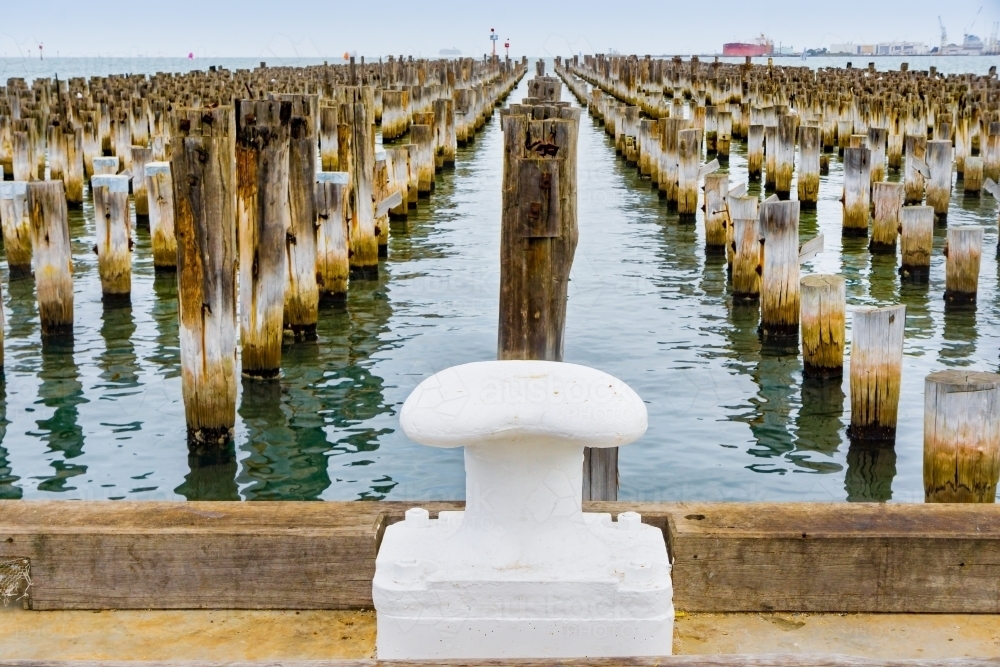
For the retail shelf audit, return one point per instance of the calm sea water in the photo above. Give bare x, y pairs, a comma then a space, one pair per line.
32, 68
728, 419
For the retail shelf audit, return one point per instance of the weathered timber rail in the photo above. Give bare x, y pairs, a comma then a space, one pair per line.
295, 555
734, 660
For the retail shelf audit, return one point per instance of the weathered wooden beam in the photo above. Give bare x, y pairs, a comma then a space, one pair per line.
199, 555
204, 189
814, 557
730, 660
852, 557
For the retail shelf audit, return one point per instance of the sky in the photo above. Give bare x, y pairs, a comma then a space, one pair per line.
329, 28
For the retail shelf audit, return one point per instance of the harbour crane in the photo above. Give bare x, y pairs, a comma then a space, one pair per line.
944, 34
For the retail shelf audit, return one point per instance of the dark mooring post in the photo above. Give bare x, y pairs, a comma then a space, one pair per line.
53, 257
202, 159
363, 239
262, 136
537, 244
332, 265
160, 190
301, 290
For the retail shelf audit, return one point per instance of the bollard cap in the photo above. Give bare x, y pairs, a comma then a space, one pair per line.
497, 402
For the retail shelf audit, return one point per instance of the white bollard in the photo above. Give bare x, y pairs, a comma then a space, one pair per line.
523, 572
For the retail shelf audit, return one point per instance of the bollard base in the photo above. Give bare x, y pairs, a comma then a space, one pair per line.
602, 589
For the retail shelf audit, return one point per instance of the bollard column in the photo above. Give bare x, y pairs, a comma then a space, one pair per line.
770, 156
939, 157
537, 244
114, 238
363, 240
53, 257
857, 191
914, 168
202, 163
779, 285
22, 163
894, 150
263, 218
746, 247
973, 176
716, 189
329, 122
916, 237
301, 311
332, 264
400, 159
669, 159
538, 235
711, 129
991, 152
160, 192
888, 201
413, 178
876, 369
961, 436
809, 151
16, 224
823, 307
964, 252
688, 155
73, 163
724, 124
755, 151
877, 138
423, 138
784, 158
381, 192
445, 137
141, 156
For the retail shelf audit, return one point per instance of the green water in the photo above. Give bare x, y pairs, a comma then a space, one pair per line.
729, 419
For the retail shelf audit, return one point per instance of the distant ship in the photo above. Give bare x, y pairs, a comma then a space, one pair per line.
761, 46
449, 52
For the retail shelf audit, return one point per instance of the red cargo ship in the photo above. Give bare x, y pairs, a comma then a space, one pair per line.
761, 46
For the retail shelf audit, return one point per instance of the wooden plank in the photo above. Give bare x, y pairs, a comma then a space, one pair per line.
811, 248
707, 169
737, 557
393, 200
835, 557
739, 191
199, 555
991, 187
731, 660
